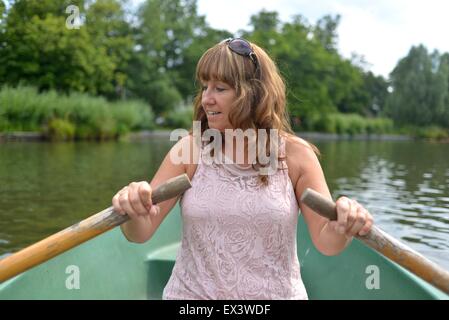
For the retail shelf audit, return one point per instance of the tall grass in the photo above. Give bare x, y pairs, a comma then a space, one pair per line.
74, 116
347, 124
434, 133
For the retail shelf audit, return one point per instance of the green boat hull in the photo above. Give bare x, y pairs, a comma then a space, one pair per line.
110, 267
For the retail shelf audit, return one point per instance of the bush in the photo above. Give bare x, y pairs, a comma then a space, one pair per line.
180, 118
356, 124
133, 115
347, 124
379, 126
432, 132
60, 129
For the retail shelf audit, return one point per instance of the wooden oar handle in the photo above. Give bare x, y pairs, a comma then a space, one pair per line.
169, 189
384, 243
80, 232
319, 204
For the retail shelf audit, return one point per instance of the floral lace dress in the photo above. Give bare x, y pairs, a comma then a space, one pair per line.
239, 237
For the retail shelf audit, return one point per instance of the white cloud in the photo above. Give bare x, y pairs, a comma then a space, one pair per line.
385, 31
380, 41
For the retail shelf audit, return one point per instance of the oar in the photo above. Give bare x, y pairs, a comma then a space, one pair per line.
385, 244
82, 231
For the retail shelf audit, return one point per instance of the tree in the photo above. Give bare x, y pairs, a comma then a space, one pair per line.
346, 87
319, 80
24, 10
265, 30
148, 66
170, 38
183, 75
109, 30
420, 89
376, 88
41, 50
2, 9
2, 28
265, 21
444, 71
300, 60
325, 32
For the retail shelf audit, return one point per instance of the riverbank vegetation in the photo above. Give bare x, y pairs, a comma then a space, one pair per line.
72, 116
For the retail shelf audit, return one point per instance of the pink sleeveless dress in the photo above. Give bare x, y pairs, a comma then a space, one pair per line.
239, 237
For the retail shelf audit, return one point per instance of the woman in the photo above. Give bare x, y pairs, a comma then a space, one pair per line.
239, 223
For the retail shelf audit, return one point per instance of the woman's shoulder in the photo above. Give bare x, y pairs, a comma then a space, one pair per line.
296, 146
300, 155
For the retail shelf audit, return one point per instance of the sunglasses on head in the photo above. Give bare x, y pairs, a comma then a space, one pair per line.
243, 48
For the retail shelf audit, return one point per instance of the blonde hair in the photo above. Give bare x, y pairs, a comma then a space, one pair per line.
260, 91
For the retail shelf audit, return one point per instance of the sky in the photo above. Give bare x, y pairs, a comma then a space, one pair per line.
382, 31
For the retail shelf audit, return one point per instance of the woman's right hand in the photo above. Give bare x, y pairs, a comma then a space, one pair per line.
135, 201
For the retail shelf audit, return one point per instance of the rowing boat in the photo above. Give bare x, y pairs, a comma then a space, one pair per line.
110, 267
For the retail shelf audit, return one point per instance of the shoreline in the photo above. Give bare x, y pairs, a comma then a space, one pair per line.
305, 135
141, 135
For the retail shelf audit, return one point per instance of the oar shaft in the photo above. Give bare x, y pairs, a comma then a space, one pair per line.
81, 232
385, 244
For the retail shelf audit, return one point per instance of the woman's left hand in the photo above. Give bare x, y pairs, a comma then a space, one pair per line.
352, 218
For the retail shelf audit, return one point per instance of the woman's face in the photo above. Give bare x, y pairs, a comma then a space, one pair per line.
217, 99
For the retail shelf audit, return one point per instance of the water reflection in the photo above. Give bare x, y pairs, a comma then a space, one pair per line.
403, 184
46, 187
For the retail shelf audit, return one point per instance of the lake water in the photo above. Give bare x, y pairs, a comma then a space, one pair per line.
45, 187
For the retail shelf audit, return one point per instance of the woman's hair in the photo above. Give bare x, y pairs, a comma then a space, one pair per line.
260, 91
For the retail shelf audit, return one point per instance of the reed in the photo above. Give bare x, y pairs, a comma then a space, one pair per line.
73, 116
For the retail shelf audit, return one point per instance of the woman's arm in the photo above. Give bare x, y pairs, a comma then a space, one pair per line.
135, 199
330, 238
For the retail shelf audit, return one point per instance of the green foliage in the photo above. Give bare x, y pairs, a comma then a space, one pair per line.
347, 124
180, 118
40, 50
150, 55
325, 32
111, 33
380, 125
132, 116
22, 110
319, 79
432, 133
170, 38
59, 129
420, 94
376, 87
154, 87
70, 116
2, 9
